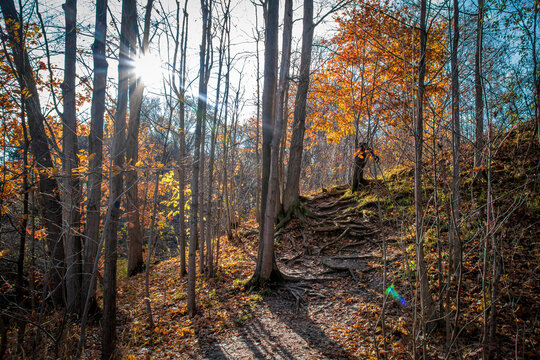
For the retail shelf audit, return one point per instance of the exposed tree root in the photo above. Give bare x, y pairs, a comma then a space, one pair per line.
327, 245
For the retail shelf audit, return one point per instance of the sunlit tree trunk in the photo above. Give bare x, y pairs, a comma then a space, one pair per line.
269, 94
268, 262
213, 139
202, 223
202, 214
282, 95
48, 187
194, 211
182, 155
95, 148
292, 189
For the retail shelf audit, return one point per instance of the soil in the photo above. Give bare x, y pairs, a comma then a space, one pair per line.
337, 271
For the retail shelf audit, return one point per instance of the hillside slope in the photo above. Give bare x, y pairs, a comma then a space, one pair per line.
336, 308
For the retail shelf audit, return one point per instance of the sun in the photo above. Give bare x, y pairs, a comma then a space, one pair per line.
148, 69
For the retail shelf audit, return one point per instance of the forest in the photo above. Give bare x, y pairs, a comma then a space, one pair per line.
265, 179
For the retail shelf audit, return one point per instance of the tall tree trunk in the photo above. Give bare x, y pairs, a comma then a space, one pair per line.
202, 223
71, 191
19, 290
283, 146
182, 159
257, 134
269, 93
281, 111
136, 90
456, 137
95, 148
426, 302
202, 213
273, 186
226, 143
478, 87
292, 190
116, 184
536, 71
213, 140
194, 211
51, 208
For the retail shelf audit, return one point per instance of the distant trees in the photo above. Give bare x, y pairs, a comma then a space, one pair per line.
51, 207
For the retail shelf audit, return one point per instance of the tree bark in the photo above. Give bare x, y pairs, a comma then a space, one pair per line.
426, 302
50, 209
95, 148
456, 137
292, 189
360, 162
136, 90
257, 134
268, 261
269, 93
19, 290
478, 87
213, 140
71, 190
182, 159
194, 211
115, 186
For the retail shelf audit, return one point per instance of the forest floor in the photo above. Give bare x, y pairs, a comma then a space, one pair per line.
336, 307
334, 258
329, 311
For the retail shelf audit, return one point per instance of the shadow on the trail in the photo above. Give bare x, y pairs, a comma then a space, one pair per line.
254, 340
298, 320
258, 339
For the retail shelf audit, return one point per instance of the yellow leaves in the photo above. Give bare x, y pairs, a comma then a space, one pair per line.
4, 253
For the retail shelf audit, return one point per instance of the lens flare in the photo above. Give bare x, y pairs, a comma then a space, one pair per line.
392, 291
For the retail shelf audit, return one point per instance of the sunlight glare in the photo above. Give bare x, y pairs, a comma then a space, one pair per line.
148, 69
